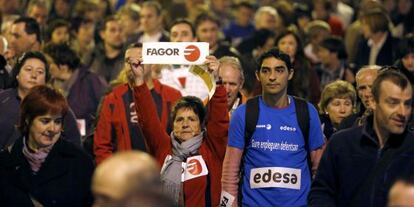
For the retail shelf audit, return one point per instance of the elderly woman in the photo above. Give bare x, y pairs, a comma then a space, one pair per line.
42, 168
30, 70
191, 157
337, 102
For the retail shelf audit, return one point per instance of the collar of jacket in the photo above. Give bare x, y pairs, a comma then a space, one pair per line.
369, 135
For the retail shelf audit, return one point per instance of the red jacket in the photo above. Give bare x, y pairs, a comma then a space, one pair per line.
117, 128
205, 190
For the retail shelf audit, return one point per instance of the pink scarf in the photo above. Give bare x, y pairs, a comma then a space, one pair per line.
35, 159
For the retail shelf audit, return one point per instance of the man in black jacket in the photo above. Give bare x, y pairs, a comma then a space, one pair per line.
360, 164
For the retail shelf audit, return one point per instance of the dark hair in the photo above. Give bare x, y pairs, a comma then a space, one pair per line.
183, 21
275, 53
203, 17
256, 40
335, 45
299, 47
406, 46
377, 20
135, 45
190, 102
30, 27
77, 22
302, 10
108, 19
154, 4
245, 4
39, 101
20, 62
54, 25
62, 54
388, 74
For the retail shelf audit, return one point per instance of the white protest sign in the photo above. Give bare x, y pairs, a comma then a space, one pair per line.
179, 53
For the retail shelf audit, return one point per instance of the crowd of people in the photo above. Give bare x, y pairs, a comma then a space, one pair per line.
312, 105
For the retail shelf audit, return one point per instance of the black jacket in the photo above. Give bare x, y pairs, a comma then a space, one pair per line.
386, 55
346, 164
64, 179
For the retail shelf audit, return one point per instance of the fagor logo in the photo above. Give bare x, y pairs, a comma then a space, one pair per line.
191, 53
194, 167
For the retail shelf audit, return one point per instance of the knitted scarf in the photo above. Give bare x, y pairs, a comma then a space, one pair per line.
35, 159
172, 168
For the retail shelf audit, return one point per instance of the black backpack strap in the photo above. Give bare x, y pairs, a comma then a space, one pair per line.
251, 118
302, 115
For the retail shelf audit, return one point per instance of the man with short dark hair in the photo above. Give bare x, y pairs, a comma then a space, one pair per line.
109, 56
275, 159
331, 52
82, 88
151, 24
360, 164
117, 126
25, 36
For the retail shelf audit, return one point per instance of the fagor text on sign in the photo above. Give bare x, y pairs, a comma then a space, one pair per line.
186, 53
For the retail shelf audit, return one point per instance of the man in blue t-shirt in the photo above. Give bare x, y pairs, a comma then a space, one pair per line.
275, 167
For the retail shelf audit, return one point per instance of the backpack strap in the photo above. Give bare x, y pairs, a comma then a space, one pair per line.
251, 118
302, 115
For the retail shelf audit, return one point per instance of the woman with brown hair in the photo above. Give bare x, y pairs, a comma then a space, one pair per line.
41, 168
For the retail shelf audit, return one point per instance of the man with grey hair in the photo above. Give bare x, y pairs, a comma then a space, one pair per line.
231, 74
364, 79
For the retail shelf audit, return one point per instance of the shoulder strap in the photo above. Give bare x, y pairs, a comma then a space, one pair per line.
303, 117
251, 117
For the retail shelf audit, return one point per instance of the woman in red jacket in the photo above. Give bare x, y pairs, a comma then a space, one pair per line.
191, 157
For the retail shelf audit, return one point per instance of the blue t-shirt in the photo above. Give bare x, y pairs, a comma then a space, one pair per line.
276, 172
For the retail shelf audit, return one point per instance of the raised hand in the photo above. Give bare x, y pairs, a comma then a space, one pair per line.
137, 70
212, 65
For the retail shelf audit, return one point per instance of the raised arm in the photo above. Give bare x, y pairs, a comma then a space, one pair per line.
155, 135
218, 115
218, 122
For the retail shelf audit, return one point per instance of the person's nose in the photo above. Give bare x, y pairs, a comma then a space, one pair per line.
185, 123
272, 75
403, 110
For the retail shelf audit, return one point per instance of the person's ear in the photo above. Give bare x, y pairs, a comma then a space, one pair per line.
291, 72
257, 75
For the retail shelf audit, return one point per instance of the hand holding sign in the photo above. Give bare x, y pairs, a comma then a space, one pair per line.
137, 70
212, 65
